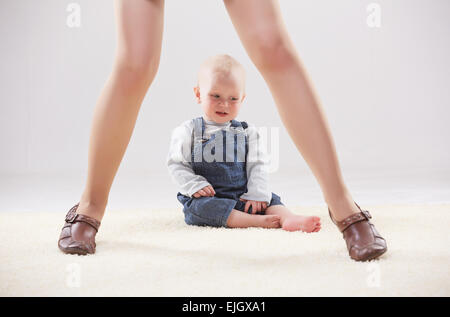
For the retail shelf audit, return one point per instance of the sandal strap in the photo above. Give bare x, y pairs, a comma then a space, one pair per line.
364, 215
73, 217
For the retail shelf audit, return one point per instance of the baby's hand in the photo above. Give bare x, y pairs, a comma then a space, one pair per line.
205, 191
257, 206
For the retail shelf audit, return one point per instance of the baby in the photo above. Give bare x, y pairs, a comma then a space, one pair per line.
220, 163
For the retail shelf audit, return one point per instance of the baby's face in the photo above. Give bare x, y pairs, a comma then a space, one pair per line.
221, 96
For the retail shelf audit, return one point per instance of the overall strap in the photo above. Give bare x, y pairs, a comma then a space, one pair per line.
237, 124
241, 125
199, 128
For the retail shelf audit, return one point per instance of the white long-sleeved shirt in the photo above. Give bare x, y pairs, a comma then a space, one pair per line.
180, 169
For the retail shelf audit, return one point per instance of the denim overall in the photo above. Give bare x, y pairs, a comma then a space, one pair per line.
227, 175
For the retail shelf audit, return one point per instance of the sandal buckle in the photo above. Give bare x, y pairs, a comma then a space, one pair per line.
366, 214
70, 217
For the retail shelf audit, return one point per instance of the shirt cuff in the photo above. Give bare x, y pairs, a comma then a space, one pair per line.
197, 187
258, 197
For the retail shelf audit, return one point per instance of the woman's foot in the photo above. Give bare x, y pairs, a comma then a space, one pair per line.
364, 242
78, 233
301, 223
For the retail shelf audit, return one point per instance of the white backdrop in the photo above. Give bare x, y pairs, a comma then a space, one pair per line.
385, 90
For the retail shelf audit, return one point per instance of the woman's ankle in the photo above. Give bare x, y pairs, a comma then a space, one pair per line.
94, 210
342, 207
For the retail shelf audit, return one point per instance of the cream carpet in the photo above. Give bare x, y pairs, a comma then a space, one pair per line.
154, 253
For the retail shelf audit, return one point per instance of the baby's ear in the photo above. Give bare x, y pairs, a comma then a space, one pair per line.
243, 97
197, 93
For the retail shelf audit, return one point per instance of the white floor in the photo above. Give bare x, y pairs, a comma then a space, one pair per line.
44, 192
169, 258
154, 253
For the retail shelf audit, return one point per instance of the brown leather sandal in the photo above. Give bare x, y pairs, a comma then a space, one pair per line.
364, 243
78, 233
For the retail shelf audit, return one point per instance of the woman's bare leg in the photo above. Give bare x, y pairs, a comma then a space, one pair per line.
261, 29
139, 27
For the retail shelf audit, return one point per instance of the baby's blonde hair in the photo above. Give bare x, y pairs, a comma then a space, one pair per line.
222, 65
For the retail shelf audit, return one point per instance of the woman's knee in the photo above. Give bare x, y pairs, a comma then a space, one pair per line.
271, 50
136, 68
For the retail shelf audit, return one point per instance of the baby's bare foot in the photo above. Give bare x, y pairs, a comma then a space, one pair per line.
268, 221
302, 223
